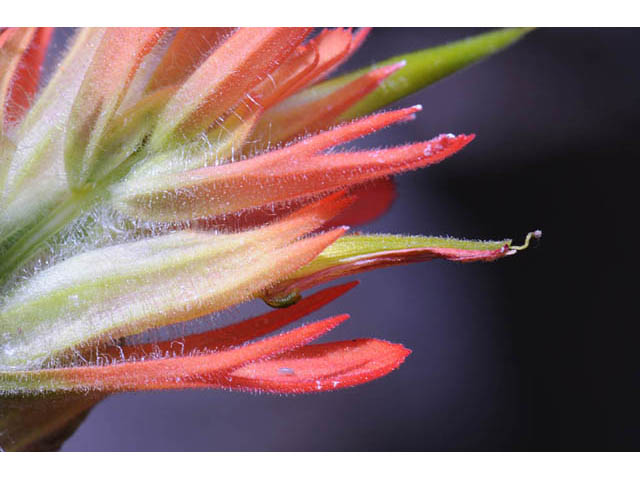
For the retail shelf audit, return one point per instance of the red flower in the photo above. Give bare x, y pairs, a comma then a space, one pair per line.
165, 174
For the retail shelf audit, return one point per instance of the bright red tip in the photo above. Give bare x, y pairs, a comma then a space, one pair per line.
320, 368
22, 52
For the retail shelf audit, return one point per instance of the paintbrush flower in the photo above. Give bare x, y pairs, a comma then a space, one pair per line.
166, 174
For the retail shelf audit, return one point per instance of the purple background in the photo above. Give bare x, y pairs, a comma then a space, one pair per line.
533, 352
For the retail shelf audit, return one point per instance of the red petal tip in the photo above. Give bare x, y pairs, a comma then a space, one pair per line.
389, 69
321, 367
447, 139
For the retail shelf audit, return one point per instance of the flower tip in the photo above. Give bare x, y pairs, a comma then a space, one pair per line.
322, 327
411, 112
449, 139
381, 73
394, 67
466, 139
463, 136
338, 232
338, 319
396, 355
404, 352
349, 285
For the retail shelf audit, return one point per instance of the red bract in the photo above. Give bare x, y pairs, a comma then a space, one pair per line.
187, 363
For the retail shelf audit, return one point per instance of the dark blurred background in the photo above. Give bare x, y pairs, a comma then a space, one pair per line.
534, 352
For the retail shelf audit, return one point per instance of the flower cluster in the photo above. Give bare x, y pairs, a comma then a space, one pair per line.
165, 174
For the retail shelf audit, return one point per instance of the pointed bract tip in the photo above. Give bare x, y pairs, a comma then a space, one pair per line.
349, 285
394, 67
381, 73
462, 139
403, 352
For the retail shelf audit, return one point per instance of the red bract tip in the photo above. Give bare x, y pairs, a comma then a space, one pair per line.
20, 74
333, 47
320, 368
359, 38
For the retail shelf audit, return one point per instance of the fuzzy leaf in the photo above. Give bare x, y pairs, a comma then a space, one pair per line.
53, 105
164, 373
360, 253
233, 335
320, 368
35, 178
267, 179
127, 131
128, 288
240, 63
103, 89
145, 182
221, 147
